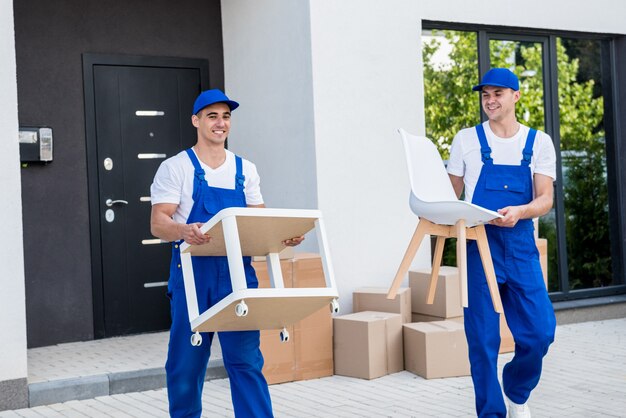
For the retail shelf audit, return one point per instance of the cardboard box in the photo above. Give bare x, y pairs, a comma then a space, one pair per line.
436, 349
507, 344
309, 352
375, 299
285, 254
279, 357
308, 271
313, 338
313, 335
447, 303
368, 344
262, 273
429, 318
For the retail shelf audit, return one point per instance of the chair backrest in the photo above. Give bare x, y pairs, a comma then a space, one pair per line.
427, 173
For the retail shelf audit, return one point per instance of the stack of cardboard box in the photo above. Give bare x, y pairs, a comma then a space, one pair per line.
447, 304
435, 344
382, 337
308, 353
368, 343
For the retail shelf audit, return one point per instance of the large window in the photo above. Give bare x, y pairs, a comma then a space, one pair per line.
561, 80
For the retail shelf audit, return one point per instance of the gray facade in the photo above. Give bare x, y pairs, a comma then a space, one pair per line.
50, 40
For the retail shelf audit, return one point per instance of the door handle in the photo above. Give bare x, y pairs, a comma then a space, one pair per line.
110, 202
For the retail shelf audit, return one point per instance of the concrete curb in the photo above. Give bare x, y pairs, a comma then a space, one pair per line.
89, 387
55, 391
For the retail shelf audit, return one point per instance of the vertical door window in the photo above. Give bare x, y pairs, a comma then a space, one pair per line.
526, 59
583, 155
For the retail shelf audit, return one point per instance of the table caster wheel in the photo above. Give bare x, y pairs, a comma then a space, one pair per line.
284, 335
196, 339
334, 306
241, 309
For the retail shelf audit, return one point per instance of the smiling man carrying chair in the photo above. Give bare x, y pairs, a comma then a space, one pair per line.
506, 167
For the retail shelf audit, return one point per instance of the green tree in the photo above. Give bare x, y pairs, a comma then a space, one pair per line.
449, 106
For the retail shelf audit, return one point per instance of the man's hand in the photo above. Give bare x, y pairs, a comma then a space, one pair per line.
292, 242
192, 235
511, 214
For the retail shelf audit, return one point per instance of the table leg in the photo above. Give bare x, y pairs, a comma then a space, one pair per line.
275, 272
322, 243
233, 253
190, 286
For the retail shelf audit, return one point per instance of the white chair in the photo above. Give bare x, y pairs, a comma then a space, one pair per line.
443, 215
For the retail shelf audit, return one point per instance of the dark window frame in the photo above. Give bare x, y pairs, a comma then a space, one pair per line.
613, 73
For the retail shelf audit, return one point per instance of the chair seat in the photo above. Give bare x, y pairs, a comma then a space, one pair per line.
450, 212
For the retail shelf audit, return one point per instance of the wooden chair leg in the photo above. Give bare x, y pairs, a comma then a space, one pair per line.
411, 250
434, 275
490, 273
461, 259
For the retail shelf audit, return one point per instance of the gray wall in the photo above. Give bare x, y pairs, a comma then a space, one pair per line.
50, 38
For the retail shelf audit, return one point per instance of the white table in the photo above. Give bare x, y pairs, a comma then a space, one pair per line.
238, 232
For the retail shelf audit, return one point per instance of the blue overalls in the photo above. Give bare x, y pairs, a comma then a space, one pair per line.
525, 300
186, 365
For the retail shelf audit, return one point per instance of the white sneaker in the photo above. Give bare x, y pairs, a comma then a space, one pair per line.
517, 410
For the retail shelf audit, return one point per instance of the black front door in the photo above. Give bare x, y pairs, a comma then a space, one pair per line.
142, 115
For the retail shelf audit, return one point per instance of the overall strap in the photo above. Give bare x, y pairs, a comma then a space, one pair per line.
239, 177
195, 162
527, 153
198, 175
485, 150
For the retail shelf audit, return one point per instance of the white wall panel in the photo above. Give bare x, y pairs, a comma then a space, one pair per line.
12, 302
601, 16
267, 65
366, 85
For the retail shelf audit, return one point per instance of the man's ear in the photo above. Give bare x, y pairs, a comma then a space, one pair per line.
516, 95
195, 121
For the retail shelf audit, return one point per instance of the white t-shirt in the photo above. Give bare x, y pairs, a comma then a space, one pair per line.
173, 182
465, 158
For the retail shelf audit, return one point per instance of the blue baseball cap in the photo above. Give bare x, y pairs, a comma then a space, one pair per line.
209, 97
499, 77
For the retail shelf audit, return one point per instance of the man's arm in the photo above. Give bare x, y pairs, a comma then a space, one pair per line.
163, 226
457, 184
539, 206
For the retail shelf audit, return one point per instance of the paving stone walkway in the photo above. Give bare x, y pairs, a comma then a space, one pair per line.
584, 376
